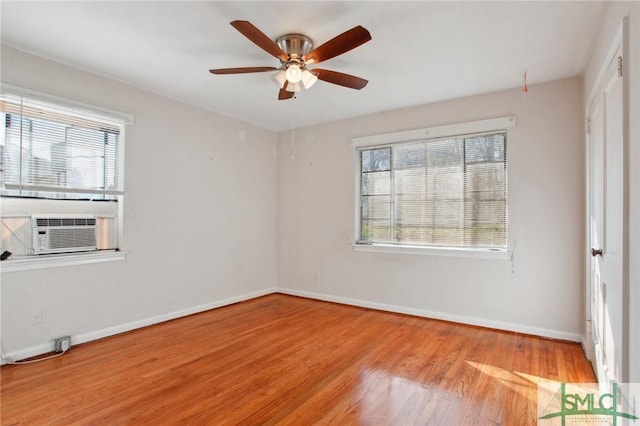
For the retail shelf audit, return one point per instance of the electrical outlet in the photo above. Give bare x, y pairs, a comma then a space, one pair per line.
62, 344
316, 277
36, 316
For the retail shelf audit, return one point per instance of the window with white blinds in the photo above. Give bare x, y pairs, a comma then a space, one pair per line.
55, 151
443, 192
61, 180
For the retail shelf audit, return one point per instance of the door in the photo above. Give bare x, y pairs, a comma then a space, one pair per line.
606, 224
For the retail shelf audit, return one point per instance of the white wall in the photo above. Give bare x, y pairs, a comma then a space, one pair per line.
199, 217
540, 292
611, 22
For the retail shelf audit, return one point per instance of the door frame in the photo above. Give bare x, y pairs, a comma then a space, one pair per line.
620, 42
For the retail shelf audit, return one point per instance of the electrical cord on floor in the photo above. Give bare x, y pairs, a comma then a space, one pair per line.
31, 361
8, 360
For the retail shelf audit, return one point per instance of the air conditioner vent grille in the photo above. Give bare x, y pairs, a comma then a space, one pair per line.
71, 238
65, 234
56, 222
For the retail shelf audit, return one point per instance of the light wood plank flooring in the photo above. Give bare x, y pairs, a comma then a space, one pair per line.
286, 360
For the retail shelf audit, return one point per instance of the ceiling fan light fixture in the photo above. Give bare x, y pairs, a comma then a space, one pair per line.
294, 73
308, 79
280, 78
293, 87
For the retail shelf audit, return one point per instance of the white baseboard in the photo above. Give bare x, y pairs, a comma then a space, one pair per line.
500, 325
121, 328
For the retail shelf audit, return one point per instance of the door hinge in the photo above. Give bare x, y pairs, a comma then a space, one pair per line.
619, 66
588, 125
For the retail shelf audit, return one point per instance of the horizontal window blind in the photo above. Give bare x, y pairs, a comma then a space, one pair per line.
55, 151
440, 192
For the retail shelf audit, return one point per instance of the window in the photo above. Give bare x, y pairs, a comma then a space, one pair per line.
64, 162
444, 191
49, 152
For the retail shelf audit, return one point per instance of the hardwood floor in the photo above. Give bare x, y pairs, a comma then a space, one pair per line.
286, 360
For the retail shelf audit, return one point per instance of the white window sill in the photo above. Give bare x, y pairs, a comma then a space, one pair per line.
501, 254
59, 260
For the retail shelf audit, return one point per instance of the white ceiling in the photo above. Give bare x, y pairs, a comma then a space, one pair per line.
420, 52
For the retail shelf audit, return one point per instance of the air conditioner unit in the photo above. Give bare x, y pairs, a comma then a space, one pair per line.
63, 233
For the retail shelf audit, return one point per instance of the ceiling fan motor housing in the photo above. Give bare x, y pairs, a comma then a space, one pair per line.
295, 45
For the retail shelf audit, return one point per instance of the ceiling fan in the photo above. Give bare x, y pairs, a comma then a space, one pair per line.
296, 53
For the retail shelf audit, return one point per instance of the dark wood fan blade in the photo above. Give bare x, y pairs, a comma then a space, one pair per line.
284, 94
243, 70
346, 41
260, 39
346, 80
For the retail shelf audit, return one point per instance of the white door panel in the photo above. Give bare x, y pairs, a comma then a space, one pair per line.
606, 225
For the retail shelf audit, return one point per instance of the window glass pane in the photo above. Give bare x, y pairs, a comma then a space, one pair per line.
410, 155
376, 218
376, 159
444, 153
376, 207
375, 230
485, 215
410, 181
484, 148
445, 182
411, 218
376, 183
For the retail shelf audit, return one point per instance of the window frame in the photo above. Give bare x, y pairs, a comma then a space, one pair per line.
35, 261
436, 132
